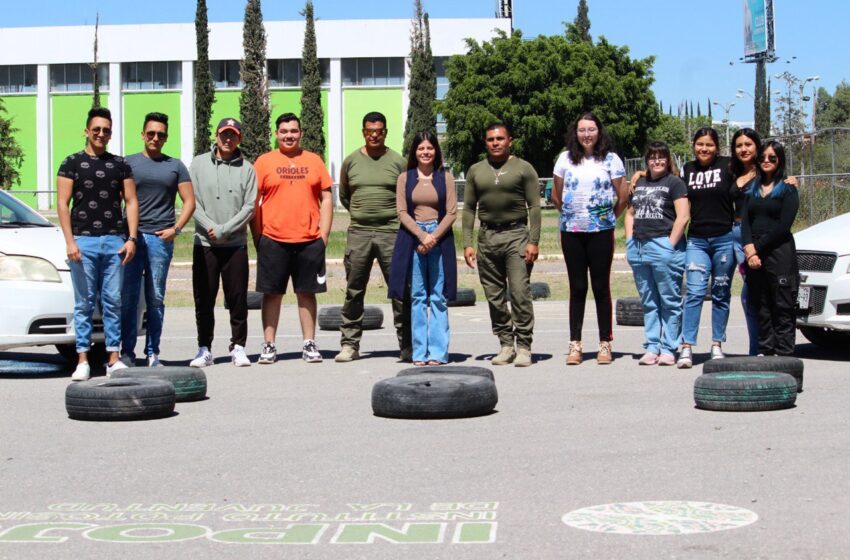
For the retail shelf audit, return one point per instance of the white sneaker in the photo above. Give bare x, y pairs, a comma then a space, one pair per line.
717, 352
202, 359
310, 352
153, 361
82, 373
268, 353
240, 359
115, 367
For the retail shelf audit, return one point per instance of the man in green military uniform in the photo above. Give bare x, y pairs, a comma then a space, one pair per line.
504, 191
367, 189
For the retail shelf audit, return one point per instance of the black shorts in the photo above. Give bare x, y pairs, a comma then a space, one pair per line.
277, 262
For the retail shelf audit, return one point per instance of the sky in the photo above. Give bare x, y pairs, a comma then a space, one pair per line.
693, 42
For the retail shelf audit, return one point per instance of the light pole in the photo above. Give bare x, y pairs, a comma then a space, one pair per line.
803, 85
726, 108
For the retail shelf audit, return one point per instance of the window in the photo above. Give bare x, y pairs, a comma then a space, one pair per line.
225, 74
442, 89
151, 75
77, 77
18, 79
373, 71
289, 72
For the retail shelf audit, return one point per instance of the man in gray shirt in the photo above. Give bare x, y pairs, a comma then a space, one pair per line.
159, 178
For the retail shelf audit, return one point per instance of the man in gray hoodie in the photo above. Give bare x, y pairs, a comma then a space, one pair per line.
225, 195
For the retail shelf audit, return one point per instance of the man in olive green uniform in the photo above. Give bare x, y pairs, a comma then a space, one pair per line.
504, 190
367, 189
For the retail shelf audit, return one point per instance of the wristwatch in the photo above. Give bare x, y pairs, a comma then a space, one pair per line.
177, 230
131, 238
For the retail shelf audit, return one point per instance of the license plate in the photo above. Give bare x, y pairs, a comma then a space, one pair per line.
803, 297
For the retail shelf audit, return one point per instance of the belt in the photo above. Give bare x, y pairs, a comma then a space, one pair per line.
516, 224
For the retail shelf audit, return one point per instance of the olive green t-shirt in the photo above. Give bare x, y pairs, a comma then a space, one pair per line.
502, 195
367, 189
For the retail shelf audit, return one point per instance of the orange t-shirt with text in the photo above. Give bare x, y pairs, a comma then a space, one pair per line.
288, 191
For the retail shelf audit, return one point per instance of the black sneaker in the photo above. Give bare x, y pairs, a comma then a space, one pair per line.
268, 354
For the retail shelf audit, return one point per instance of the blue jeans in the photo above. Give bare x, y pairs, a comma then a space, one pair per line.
153, 257
751, 317
708, 258
658, 268
430, 334
98, 273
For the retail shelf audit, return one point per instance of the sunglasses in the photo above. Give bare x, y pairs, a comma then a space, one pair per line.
374, 131
769, 159
98, 130
151, 134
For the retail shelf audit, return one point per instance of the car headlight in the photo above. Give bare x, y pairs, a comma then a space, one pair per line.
27, 269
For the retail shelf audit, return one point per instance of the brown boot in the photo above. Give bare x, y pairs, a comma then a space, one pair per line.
604, 357
574, 356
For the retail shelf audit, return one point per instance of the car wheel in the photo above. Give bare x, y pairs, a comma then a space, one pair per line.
330, 318
448, 370
745, 391
120, 399
776, 364
465, 297
68, 351
431, 396
830, 339
630, 312
190, 384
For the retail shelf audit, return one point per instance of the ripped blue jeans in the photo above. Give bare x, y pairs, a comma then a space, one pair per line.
708, 260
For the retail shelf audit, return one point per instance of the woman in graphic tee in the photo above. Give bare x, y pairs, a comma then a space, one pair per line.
772, 275
655, 248
711, 243
589, 190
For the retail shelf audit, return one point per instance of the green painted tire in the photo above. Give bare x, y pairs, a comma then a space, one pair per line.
745, 391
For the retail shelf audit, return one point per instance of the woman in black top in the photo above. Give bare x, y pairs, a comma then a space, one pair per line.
772, 275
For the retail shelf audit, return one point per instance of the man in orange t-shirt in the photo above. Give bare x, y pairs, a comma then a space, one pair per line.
291, 228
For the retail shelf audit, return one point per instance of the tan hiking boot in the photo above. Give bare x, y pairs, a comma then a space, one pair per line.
574, 356
523, 357
347, 354
604, 357
505, 356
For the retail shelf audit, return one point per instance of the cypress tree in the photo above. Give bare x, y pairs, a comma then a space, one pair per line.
699, 109
312, 116
11, 154
422, 90
579, 30
204, 87
95, 78
254, 101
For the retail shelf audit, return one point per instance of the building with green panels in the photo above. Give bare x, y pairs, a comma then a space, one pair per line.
48, 90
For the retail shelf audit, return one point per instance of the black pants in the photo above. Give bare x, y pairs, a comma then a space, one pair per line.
591, 252
773, 299
230, 264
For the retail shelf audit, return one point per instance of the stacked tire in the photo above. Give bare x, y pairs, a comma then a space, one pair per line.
744, 384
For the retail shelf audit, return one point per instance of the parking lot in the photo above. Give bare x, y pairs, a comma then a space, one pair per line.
287, 460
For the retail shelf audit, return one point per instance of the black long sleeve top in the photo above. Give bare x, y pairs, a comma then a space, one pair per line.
766, 222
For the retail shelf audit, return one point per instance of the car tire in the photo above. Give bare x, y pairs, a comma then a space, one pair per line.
190, 384
330, 318
745, 391
68, 351
630, 312
448, 370
434, 396
775, 364
830, 339
120, 399
465, 297
540, 290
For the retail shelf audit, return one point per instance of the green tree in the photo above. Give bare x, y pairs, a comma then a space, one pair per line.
254, 101
422, 90
95, 77
312, 116
579, 29
676, 132
204, 87
538, 87
11, 154
833, 110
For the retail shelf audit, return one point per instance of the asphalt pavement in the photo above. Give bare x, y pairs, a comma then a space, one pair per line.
287, 460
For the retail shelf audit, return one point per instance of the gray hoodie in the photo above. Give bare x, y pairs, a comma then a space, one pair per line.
225, 196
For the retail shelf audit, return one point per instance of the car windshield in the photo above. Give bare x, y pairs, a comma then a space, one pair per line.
15, 214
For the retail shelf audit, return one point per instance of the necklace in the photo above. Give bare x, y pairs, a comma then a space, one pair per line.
496, 173
766, 189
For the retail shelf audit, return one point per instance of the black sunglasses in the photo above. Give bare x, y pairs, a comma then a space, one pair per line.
151, 134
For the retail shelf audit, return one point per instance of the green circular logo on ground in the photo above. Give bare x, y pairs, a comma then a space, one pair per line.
659, 518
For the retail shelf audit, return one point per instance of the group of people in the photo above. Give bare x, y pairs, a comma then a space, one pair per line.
121, 228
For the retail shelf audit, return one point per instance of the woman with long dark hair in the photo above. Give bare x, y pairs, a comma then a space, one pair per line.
424, 254
711, 243
589, 190
772, 274
655, 248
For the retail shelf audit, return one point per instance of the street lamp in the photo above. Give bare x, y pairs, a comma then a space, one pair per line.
726, 108
741, 93
802, 85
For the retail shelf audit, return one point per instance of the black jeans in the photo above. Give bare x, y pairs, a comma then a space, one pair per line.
593, 252
773, 299
230, 264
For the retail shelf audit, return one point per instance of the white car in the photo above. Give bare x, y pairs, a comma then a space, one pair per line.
823, 256
36, 294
